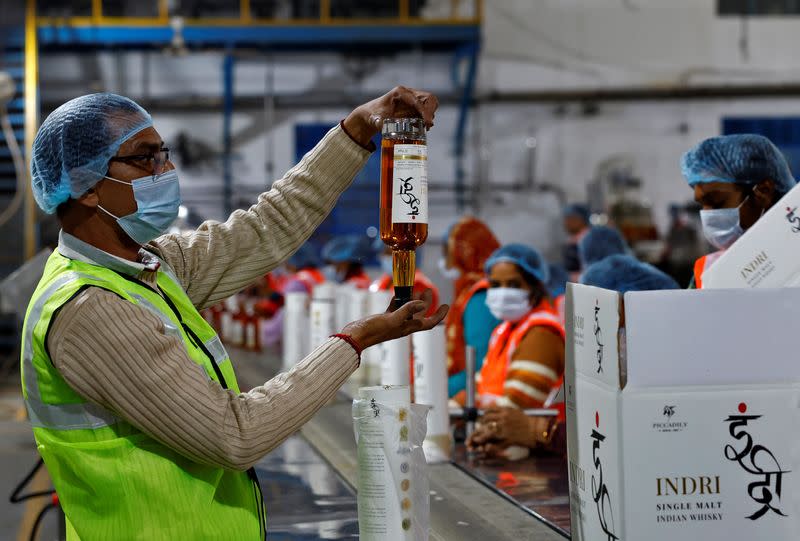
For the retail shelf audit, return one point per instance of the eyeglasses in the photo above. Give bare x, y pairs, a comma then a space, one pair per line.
154, 161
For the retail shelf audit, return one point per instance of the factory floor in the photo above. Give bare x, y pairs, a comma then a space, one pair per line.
304, 499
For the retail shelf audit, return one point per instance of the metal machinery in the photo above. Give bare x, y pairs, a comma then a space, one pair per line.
263, 26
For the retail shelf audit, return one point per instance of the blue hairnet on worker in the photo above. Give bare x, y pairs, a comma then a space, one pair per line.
736, 179
73, 147
346, 256
578, 210
524, 257
743, 159
599, 243
626, 273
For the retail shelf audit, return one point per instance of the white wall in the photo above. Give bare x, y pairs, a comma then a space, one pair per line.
555, 44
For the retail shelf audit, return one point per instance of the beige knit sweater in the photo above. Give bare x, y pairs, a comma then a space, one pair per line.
117, 355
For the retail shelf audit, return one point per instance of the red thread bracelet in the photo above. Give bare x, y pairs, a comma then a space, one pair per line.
350, 340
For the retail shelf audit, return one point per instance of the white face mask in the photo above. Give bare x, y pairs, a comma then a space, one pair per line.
721, 226
447, 272
508, 303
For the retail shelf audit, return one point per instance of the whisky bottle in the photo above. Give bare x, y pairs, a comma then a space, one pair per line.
404, 198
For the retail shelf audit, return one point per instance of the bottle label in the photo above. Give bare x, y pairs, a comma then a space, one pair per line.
410, 185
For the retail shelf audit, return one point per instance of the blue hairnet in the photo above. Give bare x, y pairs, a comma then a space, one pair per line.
75, 142
745, 159
626, 273
557, 283
599, 243
348, 248
305, 257
525, 257
576, 209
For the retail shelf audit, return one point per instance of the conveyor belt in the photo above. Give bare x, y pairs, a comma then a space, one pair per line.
304, 497
463, 508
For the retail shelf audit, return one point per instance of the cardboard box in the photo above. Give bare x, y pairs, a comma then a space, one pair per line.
767, 255
682, 414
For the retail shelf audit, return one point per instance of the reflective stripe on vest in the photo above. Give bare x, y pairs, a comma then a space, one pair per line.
57, 416
504, 343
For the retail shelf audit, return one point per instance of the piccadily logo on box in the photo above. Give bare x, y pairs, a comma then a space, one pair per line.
669, 412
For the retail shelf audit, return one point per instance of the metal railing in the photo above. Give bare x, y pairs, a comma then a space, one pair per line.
460, 12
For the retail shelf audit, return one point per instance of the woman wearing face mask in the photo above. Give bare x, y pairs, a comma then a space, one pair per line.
736, 178
502, 428
526, 352
384, 283
467, 245
345, 258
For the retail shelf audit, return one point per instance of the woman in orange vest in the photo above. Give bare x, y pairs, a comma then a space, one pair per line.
526, 352
736, 179
501, 428
345, 257
467, 245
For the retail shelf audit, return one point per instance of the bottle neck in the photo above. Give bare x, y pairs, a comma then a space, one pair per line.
403, 271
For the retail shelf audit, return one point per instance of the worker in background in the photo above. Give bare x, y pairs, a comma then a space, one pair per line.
304, 271
467, 245
501, 428
384, 283
682, 246
557, 286
576, 225
623, 273
526, 352
132, 397
345, 257
736, 179
599, 243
